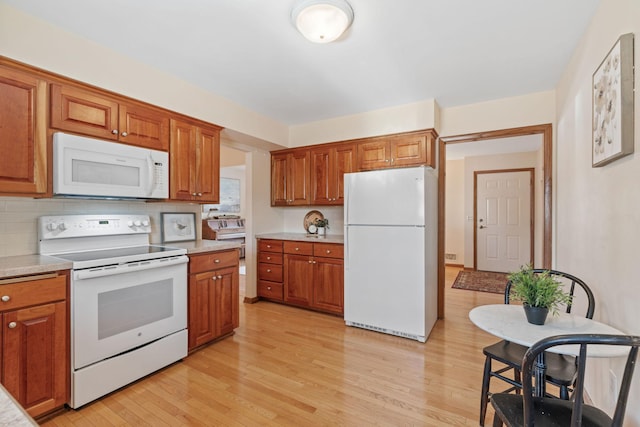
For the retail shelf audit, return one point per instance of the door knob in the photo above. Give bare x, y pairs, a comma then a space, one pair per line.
482, 226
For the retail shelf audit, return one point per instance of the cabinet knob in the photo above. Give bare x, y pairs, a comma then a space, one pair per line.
328, 251
217, 261
268, 270
219, 277
6, 298
310, 262
199, 194
12, 325
193, 194
268, 288
124, 134
268, 258
115, 131
214, 277
297, 249
269, 246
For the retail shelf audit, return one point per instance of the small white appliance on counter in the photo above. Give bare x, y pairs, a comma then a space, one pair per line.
92, 168
128, 299
390, 238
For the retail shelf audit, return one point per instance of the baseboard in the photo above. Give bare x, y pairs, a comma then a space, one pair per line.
252, 300
454, 265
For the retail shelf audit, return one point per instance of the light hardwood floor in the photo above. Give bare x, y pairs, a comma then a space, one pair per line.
287, 366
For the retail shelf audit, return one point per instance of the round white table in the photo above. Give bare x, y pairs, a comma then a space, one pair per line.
509, 322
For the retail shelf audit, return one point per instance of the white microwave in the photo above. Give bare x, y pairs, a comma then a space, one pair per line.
91, 168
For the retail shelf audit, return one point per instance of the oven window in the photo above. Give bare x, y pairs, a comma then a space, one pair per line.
132, 307
87, 172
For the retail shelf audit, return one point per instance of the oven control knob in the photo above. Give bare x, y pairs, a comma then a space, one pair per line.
129, 223
137, 223
52, 226
145, 223
62, 226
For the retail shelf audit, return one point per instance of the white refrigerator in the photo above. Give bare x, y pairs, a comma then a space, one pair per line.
390, 236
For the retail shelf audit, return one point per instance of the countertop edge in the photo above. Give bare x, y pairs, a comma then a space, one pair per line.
25, 265
303, 237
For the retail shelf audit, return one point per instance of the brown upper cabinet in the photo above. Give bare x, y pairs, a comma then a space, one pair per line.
290, 177
394, 151
23, 133
328, 165
92, 113
194, 162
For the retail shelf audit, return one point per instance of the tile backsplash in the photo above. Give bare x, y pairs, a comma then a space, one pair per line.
19, 217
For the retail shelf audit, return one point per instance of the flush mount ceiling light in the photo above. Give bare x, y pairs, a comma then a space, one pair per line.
322, 21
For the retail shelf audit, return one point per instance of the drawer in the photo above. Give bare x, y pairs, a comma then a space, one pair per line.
269, 245
270, 290
270, 258
298, 248
26, 291
328, 250
213, 261
270, 272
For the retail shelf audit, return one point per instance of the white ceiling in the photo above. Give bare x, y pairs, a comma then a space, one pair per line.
489, 147
397, 51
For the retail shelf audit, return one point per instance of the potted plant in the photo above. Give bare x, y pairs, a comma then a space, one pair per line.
322, 224
538, 292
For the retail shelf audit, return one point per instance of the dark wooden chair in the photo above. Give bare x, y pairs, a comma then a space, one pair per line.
561, 369
525, 410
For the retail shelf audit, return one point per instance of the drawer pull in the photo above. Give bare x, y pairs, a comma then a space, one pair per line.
297, 249
12, 325
328, 251
217, 261
6, 298
269, 246
268, 288
268, 258
268, 270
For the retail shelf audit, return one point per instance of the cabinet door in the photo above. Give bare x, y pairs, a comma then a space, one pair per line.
373, 155
322, 182
298, 276
227, 300
85, 112
207, 166
181, 156
298, 178
328, 285
145, 127
408, 150
279, 179
202, 313
345, 161
23, 138
35, 365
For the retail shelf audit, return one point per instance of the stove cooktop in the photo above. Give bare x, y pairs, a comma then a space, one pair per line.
102, 257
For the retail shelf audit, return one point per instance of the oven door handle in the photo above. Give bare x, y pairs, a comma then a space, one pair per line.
131, 267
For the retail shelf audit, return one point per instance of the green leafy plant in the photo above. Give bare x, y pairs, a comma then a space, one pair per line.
321, 222
537, 289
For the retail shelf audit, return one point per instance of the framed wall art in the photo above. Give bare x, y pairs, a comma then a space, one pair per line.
612, 105
178, 227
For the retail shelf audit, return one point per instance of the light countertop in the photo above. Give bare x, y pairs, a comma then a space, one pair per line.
11, 413
304, 237
202, 246
24, 265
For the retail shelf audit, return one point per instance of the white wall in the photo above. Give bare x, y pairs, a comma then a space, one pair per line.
454, 211
598, 209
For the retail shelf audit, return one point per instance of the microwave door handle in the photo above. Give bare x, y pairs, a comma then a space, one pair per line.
152, 176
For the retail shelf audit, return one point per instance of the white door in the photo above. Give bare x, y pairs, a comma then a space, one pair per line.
504, 220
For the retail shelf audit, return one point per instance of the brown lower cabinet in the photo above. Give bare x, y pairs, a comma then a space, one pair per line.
303, 274
214, 282
35, 341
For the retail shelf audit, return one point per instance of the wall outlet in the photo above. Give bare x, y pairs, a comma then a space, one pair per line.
613, 387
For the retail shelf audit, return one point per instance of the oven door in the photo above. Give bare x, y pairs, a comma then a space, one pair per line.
118, 308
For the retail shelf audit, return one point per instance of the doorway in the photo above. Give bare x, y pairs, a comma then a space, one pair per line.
504, 219
546, 132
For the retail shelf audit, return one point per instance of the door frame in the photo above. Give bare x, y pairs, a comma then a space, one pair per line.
546, 131
532, 210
